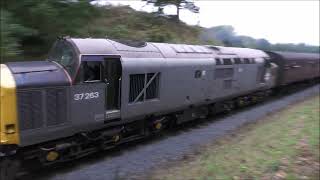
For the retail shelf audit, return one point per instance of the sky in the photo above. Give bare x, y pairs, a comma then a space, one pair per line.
279, 21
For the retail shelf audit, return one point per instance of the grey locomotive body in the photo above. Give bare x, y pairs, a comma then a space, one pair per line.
133, 83
92, 94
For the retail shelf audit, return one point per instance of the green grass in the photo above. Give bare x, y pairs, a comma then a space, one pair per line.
285, 144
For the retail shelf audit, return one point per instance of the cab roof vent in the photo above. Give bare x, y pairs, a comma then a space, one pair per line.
131, 43
182, 48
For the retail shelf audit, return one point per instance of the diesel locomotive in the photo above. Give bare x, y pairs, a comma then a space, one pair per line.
93, 94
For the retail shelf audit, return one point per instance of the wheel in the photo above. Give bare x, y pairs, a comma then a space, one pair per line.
8, 168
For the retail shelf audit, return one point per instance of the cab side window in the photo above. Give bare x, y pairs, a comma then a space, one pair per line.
92, 71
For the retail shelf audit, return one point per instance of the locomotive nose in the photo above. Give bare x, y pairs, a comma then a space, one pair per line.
8, 107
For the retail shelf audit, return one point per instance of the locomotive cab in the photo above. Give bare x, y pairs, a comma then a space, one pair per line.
102, 69
64, 54
91, 70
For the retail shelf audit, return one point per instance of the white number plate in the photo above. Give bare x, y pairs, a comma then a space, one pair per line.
86, 96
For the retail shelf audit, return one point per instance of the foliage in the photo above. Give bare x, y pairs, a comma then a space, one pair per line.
11, 32
179, 4
301, 47
156, 35
46, 17
122, 22
228, 37
28, 28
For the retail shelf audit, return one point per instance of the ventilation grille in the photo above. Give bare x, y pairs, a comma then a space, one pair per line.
190, 49
246, 60
218, 61
42, 108
30, 109
136, 86
227, 62
152, 90
56, 100
224, 73
237, 60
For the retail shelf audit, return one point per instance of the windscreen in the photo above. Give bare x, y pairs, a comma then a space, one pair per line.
63, 53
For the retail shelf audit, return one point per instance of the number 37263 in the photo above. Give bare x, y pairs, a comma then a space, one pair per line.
86, 96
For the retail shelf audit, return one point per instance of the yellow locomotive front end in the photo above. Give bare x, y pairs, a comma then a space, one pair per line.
9, 131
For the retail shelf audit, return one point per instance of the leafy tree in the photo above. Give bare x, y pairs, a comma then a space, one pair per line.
51, 18
159, 35
11, 33
263, 44
179, 4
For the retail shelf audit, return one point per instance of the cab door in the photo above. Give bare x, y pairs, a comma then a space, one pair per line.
112, 75
88, 96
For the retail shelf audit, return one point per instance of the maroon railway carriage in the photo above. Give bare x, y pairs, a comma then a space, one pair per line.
295, 67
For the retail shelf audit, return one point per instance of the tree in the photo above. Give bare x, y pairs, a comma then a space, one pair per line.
11, 33
49, 18
179, 4
263, 44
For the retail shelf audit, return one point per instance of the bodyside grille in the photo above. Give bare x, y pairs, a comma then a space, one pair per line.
56, 100
41, 108
223, 73
145, 85
153, 89
136, 86
30, 109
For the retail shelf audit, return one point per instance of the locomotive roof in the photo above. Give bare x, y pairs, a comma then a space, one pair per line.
158, 50
242, 52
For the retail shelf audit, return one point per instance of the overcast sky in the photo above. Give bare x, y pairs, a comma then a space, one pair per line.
277, 21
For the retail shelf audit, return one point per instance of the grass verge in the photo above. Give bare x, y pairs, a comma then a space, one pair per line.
284, 145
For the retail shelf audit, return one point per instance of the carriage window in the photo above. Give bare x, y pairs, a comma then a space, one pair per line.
92, 71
